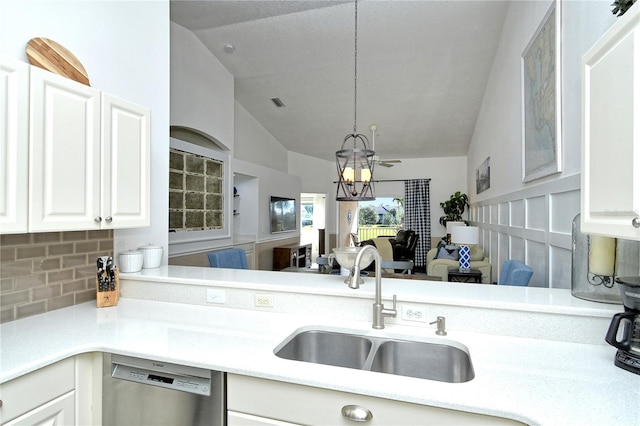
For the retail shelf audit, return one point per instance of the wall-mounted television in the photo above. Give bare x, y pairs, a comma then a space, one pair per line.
283, 213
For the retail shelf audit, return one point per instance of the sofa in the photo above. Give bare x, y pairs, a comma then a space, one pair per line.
440, 267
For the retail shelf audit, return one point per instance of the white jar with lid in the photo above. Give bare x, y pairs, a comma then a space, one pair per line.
131, 261
152, 256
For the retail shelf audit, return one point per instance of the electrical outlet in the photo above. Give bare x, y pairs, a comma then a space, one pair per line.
264, 300
215, 295
414, 313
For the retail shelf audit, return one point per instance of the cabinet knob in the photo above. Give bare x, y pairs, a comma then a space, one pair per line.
108, 219
98, 219
356, 413
636, 222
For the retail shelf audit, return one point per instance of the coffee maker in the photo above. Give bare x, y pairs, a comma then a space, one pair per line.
624, 330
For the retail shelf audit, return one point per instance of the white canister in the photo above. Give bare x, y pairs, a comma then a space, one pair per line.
152, 256
131, 261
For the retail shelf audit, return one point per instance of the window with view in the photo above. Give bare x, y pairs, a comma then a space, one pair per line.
383, 216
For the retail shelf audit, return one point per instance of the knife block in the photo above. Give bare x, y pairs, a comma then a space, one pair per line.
108, 298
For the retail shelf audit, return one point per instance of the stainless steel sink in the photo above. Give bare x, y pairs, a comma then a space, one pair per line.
431, 361
424, 360
323, 347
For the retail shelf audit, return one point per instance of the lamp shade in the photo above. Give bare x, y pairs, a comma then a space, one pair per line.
451, 224
465, 234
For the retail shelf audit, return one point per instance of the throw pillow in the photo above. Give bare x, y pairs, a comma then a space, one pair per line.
449, 254
475, 253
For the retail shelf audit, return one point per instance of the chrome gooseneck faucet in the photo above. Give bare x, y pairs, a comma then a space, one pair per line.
379, 311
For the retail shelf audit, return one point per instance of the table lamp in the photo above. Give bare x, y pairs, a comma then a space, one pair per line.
450, 225
464, 236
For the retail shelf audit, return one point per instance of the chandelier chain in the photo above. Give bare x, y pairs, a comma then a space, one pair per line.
355, 73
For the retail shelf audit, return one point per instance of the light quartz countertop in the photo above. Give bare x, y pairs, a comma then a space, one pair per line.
538, 354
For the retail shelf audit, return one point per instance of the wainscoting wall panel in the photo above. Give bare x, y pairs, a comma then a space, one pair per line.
562, 206
536, 217
532, 225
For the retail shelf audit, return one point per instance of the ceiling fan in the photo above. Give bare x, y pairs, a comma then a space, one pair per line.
376, 159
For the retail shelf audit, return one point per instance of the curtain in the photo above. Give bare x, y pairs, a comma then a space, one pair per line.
417, 217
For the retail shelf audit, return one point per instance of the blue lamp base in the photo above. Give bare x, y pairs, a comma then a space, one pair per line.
465, 259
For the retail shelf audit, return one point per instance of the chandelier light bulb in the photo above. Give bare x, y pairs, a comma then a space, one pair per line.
365, 175
349, 175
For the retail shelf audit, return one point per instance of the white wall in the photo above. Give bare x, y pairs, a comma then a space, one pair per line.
201, 88
269, 182
253, 143
316, 176
584, 22
498, 132
124, 47
532, 221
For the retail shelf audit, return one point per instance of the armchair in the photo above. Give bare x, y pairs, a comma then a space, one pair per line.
515, 272
441, 267
404, 245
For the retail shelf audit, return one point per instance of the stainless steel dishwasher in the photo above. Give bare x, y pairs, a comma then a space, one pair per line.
145, 392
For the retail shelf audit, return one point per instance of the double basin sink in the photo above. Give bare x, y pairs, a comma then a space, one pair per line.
425, 360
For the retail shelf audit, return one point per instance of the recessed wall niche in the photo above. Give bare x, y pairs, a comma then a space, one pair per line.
196, 195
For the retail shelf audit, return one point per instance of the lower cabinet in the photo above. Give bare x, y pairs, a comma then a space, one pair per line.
64, 393
252, 401
45, 396
238, 419
58, 412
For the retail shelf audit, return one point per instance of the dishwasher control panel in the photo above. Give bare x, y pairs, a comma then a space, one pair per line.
165, 375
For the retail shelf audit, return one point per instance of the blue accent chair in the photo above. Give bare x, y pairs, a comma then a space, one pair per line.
515, 272
228, 258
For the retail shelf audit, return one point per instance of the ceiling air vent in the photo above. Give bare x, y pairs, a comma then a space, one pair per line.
277, 102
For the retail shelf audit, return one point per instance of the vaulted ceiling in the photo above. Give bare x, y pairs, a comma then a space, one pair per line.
422, 68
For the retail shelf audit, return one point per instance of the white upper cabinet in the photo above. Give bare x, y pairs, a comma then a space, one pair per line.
72, 157
64, 168
126, 148
90, 165
14, 145
611, 132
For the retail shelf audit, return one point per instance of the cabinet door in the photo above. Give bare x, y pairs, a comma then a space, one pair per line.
64, 154
126, 144
41, 396
611, 136
14, 145
60, 411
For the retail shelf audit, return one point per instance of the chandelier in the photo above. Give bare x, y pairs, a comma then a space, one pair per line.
354, 160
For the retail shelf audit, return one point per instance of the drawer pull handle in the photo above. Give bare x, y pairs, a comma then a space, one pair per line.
98, 219
109, 219
636, 222
356, 413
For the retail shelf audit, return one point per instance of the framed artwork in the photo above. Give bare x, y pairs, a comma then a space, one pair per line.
483, 176
541, 78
